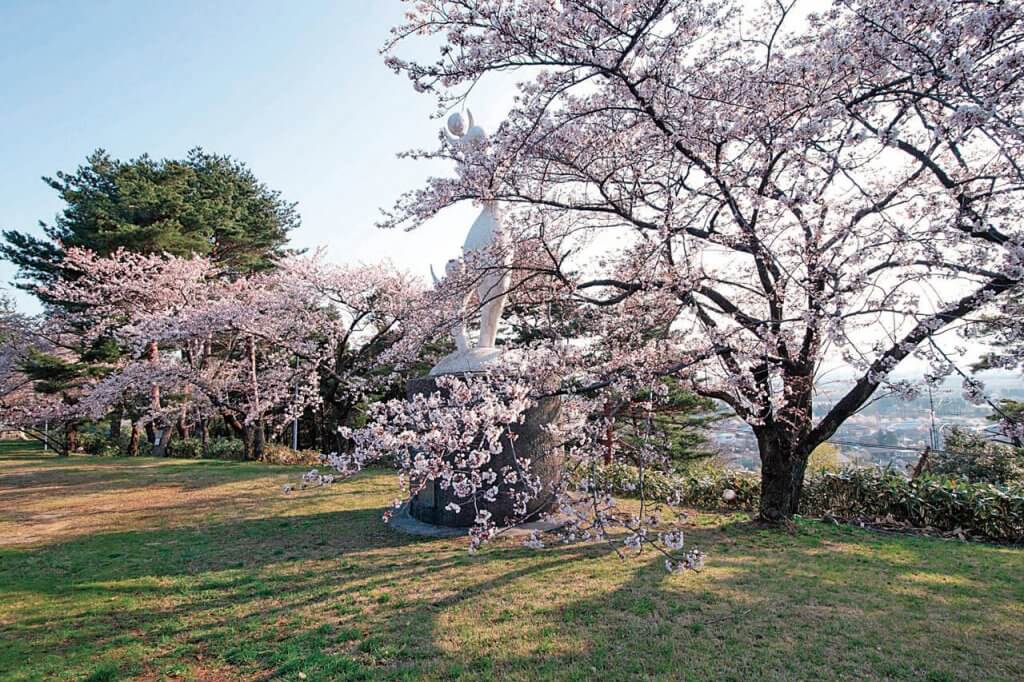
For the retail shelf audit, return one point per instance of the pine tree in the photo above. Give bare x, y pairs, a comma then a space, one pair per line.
204, 204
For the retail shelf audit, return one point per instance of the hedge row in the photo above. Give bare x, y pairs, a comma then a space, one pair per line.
192, 448
983, 510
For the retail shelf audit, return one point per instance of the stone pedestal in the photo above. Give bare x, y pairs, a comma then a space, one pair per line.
532, 441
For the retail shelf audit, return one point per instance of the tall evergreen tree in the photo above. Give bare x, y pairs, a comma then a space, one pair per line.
204, 204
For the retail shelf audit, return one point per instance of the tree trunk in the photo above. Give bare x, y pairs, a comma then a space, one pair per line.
181, 426
236, 426
248, 442
259, 441
783, 463
609, 435
258, 435
784, 442
152, 355
255, 440
115, 423
70, 438
184, 432
204, 435
134, 440
161, 449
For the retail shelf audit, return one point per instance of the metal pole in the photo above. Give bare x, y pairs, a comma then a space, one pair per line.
295, 425
931, 413
46, 435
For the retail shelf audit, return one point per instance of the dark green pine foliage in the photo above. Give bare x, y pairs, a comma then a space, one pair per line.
677, 427
63, 376
1002, 331
204, 204
1010, 411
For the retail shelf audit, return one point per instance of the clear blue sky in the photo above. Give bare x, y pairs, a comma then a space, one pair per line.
297, 91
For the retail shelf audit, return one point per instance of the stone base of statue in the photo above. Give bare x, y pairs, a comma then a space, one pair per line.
532, 440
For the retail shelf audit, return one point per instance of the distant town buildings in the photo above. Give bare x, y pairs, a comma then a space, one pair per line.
887, 432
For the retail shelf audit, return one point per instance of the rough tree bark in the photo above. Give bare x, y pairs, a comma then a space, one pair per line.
783, 465
255, 440
259, 441
181, 426
134, 440
70, 438
785, 442
162, 446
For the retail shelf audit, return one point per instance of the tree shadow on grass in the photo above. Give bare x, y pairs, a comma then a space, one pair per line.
822, 603
819, 604
339, 596
254, 593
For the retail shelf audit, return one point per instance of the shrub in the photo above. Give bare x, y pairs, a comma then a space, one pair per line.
102, 445
225, 448
275, 453
625, 480
185, 448
700, 486
867, 494
706, 489
192, 448
983, 510
92, 443
972, 457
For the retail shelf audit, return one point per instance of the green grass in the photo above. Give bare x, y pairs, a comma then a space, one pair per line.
171, 569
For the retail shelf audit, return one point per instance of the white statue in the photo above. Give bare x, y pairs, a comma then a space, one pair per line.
488, 249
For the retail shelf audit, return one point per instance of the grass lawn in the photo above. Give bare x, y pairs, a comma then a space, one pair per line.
172, 569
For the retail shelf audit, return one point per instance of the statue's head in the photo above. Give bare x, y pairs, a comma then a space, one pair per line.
459, 128
456, 125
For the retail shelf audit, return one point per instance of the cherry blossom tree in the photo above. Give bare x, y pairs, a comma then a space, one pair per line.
250, 350
101, 300
41, 381
20, 406
733, 196
450, 438
15, 341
